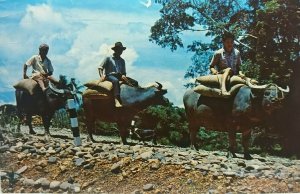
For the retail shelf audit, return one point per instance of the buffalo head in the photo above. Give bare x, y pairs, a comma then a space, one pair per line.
273, 96
159, 93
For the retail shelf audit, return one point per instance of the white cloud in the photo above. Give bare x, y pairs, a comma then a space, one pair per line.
40, 17
79, 40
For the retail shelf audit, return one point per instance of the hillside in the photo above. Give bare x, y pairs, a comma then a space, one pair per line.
109, 167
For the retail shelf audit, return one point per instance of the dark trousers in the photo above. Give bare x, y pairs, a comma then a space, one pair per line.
114, 79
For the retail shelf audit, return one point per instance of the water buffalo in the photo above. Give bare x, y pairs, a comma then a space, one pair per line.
249, 107
43, 104
133, 100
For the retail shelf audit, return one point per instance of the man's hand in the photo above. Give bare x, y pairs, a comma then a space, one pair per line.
102, 78
25, 76
214, 72
124, 77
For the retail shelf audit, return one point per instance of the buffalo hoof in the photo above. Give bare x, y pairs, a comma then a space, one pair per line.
193, 147
91, 139
231, 155
247, 156
125, 142
32, 132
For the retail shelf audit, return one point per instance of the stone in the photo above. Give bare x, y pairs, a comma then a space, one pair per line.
106, 147
185, 154
202, 167
88, 166
39, 145
62, 168
42, 163
128, 152
229, 173
2, 174
252, 167
79, 161
241, 163
21, 156
146, 155
154, 165
136, 148
54, 185
21, 170
187, 167
189, 181
148, 187
159, 156
113, 157
28, 182
44, 182
116, 167
52, 160
290, 187
65, 186
13, 149
75, 187
136, 192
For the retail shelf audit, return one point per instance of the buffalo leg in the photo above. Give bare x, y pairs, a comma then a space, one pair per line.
193, 134
46, 123
28, 122
245, 141
124, 133
232, 144
90, 128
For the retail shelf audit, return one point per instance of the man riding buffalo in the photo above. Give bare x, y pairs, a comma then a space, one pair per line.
113, 69
42, 68
226, 61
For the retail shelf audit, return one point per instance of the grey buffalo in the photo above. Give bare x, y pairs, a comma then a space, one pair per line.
249, 107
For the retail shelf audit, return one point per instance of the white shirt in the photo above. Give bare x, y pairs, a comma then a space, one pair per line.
39, 66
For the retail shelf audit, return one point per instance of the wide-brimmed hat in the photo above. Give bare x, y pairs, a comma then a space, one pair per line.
118, 45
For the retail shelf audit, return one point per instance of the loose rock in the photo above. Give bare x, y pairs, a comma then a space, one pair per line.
148, 187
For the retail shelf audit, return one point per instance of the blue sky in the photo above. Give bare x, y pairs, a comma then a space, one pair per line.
80, 34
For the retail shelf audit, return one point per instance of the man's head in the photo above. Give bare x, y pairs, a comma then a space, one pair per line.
118, 48
43, 50
228, 41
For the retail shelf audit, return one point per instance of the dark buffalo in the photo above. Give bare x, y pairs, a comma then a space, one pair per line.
249, 107
133, 99
42, 104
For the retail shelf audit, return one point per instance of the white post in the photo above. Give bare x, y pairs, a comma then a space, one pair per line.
74, 121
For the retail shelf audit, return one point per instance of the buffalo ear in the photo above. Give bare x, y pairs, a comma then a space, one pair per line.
161, 92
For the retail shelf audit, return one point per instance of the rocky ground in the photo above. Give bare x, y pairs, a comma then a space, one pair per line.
31, 163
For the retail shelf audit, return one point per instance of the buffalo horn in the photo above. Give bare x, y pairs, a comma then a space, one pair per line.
59, 91
256, 86
287, 90
159, 85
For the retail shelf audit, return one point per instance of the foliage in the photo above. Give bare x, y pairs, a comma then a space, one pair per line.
168, 121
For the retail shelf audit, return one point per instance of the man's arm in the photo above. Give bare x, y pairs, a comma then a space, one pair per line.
50, 69
101, 69
123, 71
28, 63
213, 63
238, 66
24, 72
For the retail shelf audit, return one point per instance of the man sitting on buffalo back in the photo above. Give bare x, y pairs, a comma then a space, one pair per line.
42, 69
113, 69
226, 61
